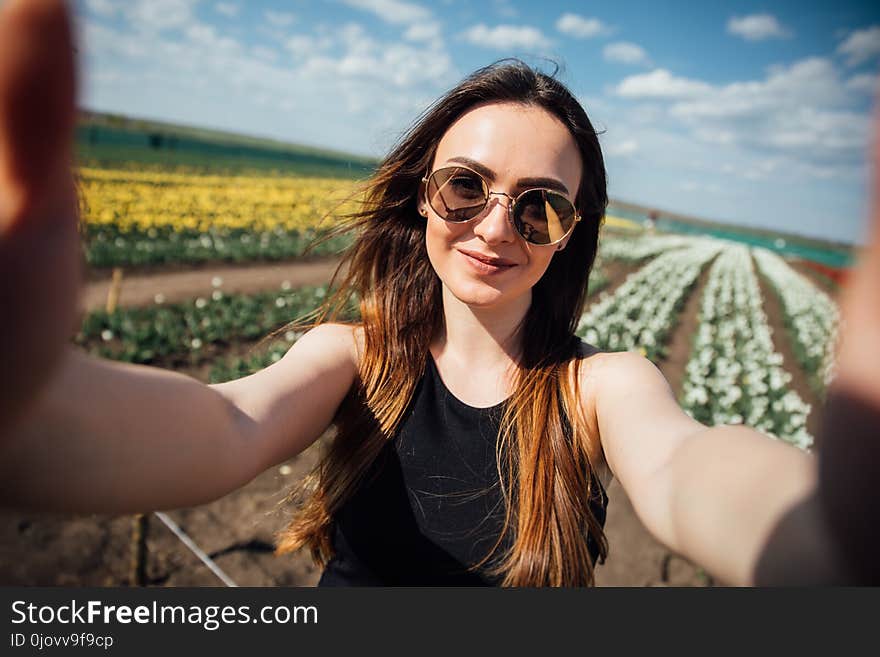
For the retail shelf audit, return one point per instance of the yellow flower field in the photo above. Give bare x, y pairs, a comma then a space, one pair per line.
140, 200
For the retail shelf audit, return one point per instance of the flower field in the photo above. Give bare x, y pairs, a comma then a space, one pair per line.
812, 317
734, 375
634, 249
641, 313
191, 332
161, 216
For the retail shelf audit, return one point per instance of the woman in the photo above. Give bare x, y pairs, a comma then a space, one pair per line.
476, 243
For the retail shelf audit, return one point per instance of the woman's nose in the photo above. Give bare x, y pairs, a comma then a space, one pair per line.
494, 223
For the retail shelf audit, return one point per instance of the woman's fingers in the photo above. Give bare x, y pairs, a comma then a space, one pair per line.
37, 108
40, 256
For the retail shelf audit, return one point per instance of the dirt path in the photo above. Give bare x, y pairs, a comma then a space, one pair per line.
680, 343
140, 289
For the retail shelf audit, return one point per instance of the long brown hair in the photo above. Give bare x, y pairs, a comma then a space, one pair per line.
546, 446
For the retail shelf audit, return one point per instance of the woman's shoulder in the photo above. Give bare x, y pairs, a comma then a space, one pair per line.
610, 363
590, 361
611, 372
614, 375
339, 335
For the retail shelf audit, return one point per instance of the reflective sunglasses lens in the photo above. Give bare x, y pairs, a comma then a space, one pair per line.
542, 216
456, 194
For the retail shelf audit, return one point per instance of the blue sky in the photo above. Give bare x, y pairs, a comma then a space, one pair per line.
755, 113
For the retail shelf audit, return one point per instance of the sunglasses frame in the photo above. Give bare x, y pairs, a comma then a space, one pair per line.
510, 206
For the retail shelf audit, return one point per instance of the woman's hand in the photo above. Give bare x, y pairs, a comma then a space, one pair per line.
849, 456
833, 535
40, 256
859, 353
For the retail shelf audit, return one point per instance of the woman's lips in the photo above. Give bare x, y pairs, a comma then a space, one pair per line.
485, 267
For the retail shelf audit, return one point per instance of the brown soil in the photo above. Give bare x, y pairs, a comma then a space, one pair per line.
680, 342
140, 289
237, 531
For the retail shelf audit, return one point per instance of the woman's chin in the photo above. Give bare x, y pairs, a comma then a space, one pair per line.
480, 294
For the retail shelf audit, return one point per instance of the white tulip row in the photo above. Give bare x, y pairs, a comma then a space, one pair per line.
734, 375
641, 312
812, 316
639, 248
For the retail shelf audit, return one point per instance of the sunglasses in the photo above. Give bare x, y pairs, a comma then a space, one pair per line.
541, 216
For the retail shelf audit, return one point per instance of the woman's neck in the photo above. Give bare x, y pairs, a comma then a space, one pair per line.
480, 336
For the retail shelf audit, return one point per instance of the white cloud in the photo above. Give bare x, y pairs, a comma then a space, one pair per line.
504, 8
757, 27
823, 132
803, 112
101, 41
356, 39
742, 172
427, 32
805, 83
580, 27
800, 122
303, 45
625, 52
264, 53
102, 7
622, 148
395, 12
715, 135
864, 83
660, 83
206, 36
350, 52
861, 45
506, 37
399, 65
279, 18
228, 9
160, 15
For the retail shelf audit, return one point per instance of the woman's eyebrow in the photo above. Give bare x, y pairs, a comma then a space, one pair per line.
522, 183
547, 183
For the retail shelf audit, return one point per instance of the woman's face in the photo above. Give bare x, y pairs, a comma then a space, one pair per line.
513, 146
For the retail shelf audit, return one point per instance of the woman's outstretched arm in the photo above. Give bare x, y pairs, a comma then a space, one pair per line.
711, 494
81, 434
106, 437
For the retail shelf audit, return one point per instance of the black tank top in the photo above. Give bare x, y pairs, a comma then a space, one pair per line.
431, 504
